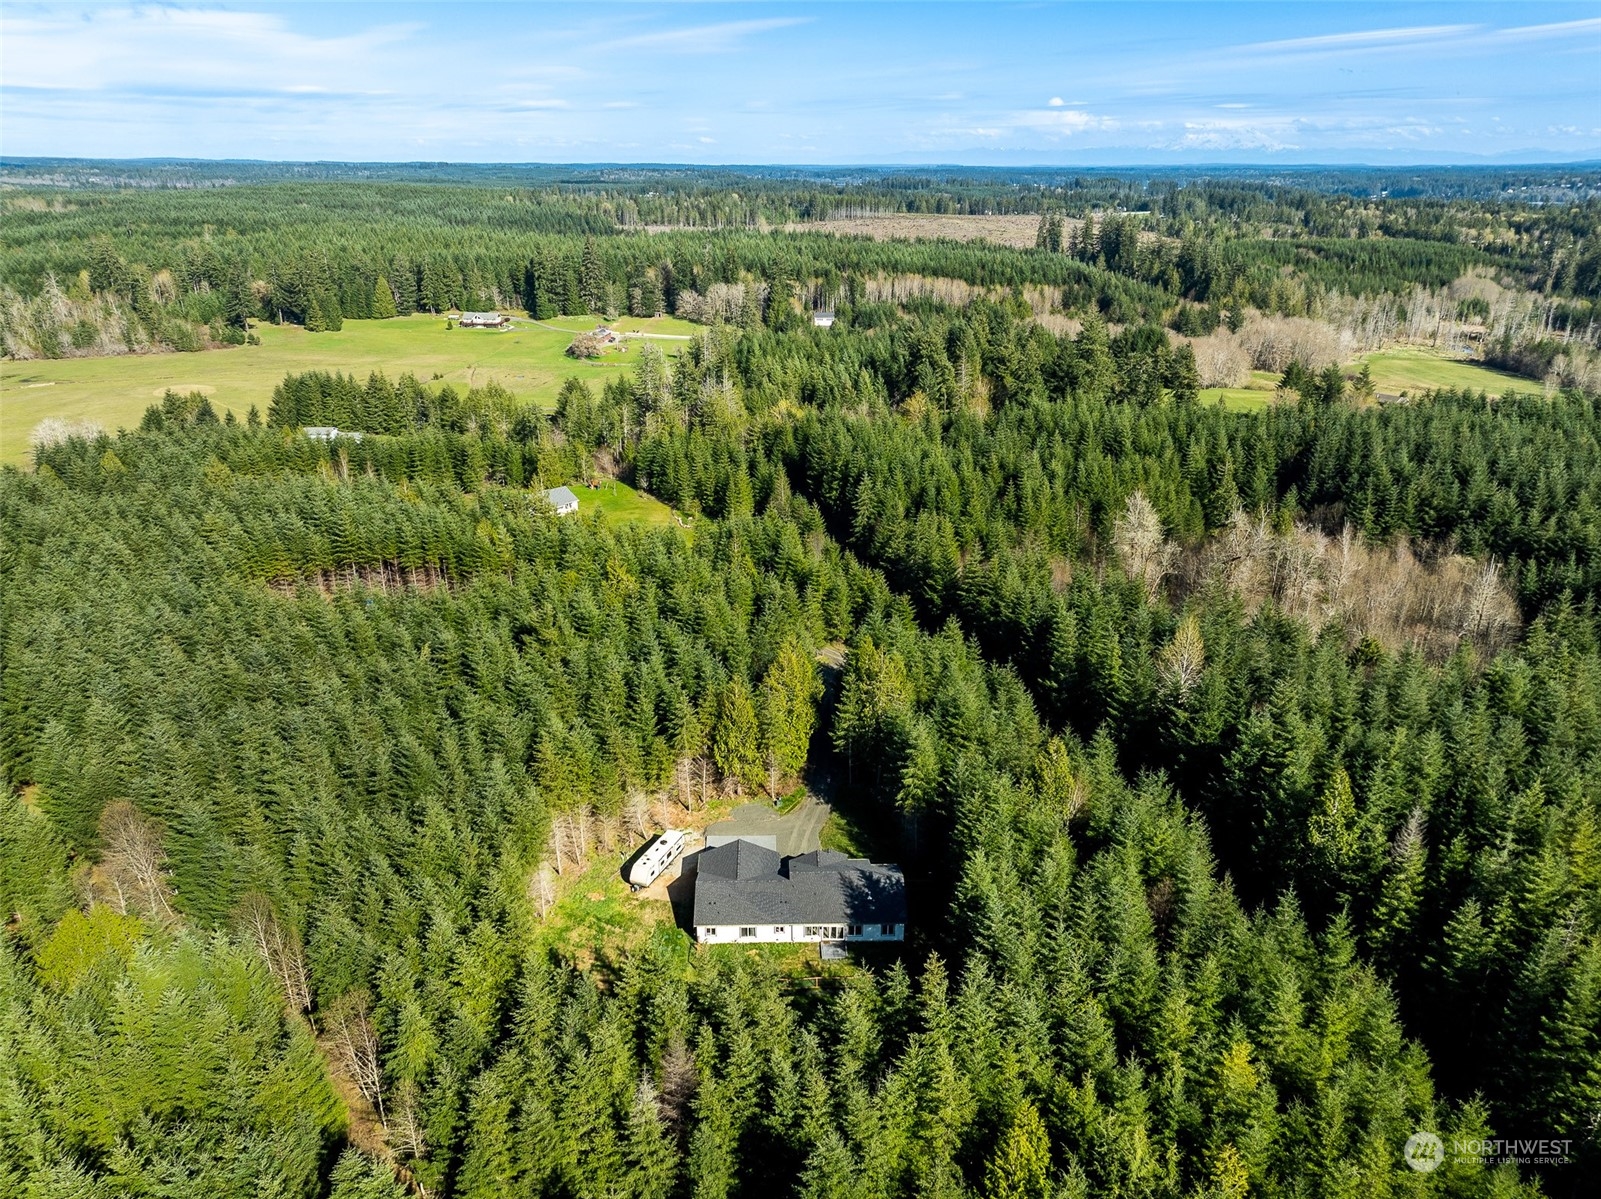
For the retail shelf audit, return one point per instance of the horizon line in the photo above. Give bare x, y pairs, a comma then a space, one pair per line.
1481, 163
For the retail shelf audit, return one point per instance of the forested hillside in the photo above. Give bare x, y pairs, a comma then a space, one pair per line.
1245, 768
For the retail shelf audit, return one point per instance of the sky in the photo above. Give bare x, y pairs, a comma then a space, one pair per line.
819, 83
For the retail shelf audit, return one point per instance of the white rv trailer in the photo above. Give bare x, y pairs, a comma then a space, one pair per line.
659, 854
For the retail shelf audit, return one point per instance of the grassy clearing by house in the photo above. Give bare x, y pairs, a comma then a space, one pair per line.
596, 918
529, 361
620, 502
841, 835
1414, 369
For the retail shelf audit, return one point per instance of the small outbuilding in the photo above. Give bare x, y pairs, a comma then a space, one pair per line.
823, 318
563, 500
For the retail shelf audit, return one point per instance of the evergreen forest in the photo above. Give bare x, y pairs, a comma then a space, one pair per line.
1244, 767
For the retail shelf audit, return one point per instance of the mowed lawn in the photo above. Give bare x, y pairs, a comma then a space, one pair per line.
620, 502
529, 360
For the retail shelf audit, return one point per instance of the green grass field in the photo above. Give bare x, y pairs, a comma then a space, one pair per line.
1414, 369
1411, 369
620, 502
529, 360
1253, 397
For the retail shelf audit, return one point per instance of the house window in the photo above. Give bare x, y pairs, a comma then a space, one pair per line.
887, 930
747, 932
853, 930
813, 931
778, 930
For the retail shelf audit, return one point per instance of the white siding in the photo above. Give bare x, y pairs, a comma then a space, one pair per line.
730, 934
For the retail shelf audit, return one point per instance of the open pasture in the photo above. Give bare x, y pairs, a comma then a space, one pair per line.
529, 360
1413, 369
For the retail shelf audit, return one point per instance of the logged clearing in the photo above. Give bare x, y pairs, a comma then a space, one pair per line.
528, 360
1018, 231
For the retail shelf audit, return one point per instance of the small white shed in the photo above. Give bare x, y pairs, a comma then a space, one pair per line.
563, 500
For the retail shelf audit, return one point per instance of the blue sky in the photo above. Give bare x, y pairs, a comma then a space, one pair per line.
817, 83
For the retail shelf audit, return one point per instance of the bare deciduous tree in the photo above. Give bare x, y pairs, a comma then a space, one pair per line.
280, 949
542, 889
406, 1131
636, 811
1141, 548
134, 864
1183, 659
679, 1082
355, 1044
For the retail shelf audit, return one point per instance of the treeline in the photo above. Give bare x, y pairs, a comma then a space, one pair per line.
91, 271
353, 785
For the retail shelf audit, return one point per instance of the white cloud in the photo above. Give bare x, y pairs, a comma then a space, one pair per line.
1057, 101
1557, 29
1362, 39
1062, 121
110, 48
707, 39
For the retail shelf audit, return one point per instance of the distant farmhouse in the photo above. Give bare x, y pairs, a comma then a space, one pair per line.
483, 320
563, 500
328, 433
823, 318
745, 892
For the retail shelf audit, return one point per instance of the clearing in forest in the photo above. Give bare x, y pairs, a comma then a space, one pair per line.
529, 360
1415, 368
1410, 369
1017, 230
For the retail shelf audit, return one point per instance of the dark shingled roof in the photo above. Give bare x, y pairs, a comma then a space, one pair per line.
743, 883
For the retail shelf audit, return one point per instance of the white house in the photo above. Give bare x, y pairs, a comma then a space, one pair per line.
745, 892
563, 500
328, 433
823, 318
482, 320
